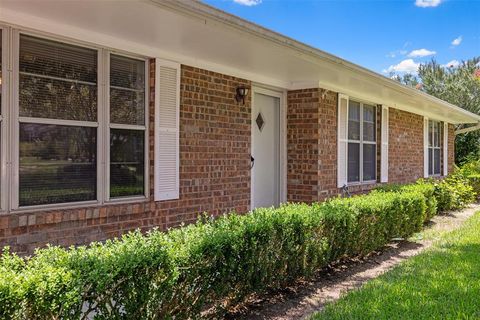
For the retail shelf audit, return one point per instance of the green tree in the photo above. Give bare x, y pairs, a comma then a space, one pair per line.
459, 85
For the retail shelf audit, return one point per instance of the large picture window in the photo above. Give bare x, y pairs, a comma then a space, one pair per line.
361, 142
434, 147
77, 140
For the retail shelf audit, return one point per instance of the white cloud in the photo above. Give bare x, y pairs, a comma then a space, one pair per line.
407, 66
427, 3
396, 53
421, 53
451, 64
248, 2
457, 41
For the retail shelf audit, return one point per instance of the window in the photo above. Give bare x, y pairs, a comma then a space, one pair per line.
57, 122
361, 149
127, 126
75, 139
434, 148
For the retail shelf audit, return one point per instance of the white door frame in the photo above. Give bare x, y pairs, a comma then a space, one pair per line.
282, 95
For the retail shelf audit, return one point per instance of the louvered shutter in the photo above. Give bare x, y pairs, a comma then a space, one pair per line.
167, 113
342, 140
445, 148
384, 146
425, 147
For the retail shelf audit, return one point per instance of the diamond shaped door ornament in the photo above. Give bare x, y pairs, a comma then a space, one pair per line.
260, 121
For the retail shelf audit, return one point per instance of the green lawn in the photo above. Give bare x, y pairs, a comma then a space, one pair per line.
440, 283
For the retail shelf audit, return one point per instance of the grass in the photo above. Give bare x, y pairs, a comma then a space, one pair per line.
440, 283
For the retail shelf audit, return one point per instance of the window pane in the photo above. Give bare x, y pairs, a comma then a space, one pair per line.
353, 162
57, 80
127, 165
57, 99
353, 130
354, 111
369, 131
368, 113
354, 120
127, 90
430, 163
430, 133
57, 164
436, 161
369, 165
437, 134
369, 123
56, 59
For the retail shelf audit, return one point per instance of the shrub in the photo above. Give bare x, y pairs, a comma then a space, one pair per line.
453, 192
426, 188
471, 172
206, 266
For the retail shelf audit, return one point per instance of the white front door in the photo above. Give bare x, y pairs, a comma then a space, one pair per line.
265, 150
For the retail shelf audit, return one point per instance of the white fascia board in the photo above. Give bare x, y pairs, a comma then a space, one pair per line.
221, 19
307, 52
396, 105
54, 29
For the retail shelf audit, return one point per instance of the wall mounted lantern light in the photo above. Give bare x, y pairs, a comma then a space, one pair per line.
242, 92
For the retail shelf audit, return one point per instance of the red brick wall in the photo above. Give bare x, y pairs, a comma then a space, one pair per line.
311, 144
405, 146
215, 139
214, 173
312, 148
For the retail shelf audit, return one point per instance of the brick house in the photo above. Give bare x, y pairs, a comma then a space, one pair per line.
144, 114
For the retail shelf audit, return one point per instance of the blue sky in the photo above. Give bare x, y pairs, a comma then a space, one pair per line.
382, 35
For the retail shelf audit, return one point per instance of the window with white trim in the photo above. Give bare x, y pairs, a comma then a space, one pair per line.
362, 145
434, 147
79, 127
127, 126
57, 108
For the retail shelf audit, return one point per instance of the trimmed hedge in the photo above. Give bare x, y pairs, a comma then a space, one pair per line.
426, 188
203, 267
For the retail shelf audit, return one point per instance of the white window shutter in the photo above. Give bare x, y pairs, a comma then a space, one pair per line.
342, 160
425, 147
167, 122
445, 148
384, 147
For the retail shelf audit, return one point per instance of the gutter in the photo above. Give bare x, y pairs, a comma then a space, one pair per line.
469, 129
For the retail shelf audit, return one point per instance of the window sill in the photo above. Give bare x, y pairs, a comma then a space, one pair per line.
363, 183
76, 205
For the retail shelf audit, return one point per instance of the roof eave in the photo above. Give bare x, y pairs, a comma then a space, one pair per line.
205, 11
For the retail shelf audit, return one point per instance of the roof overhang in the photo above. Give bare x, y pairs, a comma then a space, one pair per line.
195, 34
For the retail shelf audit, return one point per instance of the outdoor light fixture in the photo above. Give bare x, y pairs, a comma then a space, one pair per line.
242, 92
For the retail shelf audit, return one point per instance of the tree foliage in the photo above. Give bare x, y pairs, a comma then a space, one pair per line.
458, 85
